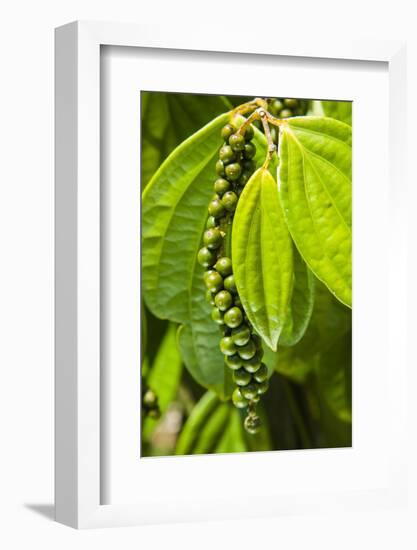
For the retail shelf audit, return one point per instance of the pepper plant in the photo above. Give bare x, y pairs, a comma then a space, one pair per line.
246, 273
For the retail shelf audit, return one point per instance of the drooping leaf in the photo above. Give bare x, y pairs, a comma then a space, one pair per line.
173, 220
212, 430
164, 375
262, 257
335, 377
170, 118
194, 423
301, 304
199, 346
340, 110
233, 440
315, 175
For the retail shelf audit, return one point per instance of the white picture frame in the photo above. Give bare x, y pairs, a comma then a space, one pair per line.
78, 403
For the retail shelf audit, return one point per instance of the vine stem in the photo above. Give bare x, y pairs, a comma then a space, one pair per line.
260, 113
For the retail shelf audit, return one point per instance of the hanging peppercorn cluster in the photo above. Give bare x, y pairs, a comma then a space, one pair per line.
239, 344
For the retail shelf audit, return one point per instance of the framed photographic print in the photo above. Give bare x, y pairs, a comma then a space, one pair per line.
221, 215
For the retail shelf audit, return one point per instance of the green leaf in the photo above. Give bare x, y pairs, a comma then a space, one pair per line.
315, 175
341, 110
194, 423
164, 376
335, 377
329, 321
199, 346
168, 119
233, 439
174, 211
212, 430
262, 257
301, 305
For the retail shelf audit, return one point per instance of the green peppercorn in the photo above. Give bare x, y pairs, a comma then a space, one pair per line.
244, 178
249, 151
286, 113
238, 400
216, 208
261, 374
233, 171
241, 335
150, 399
248, 350
233, 317
248, 133
241, 377
226, 154
252, 423
237, 301
227, 131
262, 387
250, 391
229, 201
237, 142
229, 284
291, 103
206, 257
154, 413
249, 166
224, 266
217, 316
209, 298
258, 341
253, 364
223, 300
234, 362
212, 238
276, 107
211, 221
221, 186
227, 347
220, 168
213, 280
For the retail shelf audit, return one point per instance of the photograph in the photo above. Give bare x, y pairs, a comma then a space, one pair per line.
246, 273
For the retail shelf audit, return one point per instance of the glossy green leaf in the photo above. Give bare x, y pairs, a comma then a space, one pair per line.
335, 377
315, 190
195, 422
170, 118
164, 375
301, 305
262, 257
341, 110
